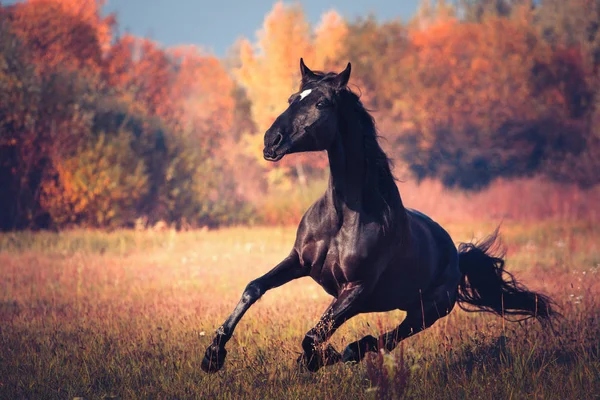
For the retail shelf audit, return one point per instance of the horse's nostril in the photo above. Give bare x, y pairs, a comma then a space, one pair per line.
278, 139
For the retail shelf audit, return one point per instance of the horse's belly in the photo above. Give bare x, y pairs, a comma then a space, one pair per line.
398, 288
408, 283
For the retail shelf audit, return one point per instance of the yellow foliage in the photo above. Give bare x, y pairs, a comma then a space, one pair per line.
99, 185
330, 36
270, 71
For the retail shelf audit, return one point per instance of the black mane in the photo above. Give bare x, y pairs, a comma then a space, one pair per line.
381, 193
379, 177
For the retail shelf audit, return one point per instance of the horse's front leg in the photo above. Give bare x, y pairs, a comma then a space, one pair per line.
289, 269
341, 309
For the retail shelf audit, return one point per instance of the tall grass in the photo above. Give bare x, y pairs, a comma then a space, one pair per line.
129, 314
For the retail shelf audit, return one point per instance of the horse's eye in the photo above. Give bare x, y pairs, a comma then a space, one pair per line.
322, 104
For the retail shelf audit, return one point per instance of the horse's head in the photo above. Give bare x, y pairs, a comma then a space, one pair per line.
310, 121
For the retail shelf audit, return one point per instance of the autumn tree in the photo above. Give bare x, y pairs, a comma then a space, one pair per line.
191, 94
468, 80
477, 10
19, 98
203, 93
98, 133
270, 73
98, 185
378, 73
66, 33
329, 41
63, 43
570, 75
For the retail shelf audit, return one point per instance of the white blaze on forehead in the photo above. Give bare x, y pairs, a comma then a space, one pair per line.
305, 93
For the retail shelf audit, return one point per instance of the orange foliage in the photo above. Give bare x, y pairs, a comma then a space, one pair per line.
69, 33
188, 90
98, 186
93, 88
149, 75
466, 75
119, 62
329, 42
88, 12
437, 74
202, 90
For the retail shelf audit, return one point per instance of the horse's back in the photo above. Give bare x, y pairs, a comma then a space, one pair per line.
437, 239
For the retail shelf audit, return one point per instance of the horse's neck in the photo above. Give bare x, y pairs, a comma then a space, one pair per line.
353, 180
347, 165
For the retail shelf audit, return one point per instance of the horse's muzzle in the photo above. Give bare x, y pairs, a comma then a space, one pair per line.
273, 153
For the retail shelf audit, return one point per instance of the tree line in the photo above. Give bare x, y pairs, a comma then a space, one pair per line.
101, 129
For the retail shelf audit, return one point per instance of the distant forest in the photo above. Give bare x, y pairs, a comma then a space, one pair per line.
107, 130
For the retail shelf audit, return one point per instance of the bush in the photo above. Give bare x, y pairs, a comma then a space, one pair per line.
100, 185
198, 189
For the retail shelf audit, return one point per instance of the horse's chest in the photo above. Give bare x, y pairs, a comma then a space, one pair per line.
332, 263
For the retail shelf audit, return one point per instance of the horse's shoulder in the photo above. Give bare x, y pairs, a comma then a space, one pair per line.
316, 221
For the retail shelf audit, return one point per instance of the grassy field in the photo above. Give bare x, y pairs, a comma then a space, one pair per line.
129, 315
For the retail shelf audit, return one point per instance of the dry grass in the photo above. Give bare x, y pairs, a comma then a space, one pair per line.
129, 315
519, 200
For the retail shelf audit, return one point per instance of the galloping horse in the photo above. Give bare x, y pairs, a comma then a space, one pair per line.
362, 245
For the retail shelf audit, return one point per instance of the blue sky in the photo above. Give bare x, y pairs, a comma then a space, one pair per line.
216, 24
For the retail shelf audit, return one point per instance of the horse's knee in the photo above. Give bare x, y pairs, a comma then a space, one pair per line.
252, 293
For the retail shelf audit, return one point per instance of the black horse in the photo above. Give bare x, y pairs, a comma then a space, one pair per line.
362, 245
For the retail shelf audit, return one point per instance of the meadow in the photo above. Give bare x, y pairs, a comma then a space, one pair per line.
129, 314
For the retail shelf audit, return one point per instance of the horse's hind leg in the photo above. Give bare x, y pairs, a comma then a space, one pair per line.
417, 320
341, 309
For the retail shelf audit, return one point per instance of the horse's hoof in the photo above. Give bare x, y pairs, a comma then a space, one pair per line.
356, 351
319, 359
214, 358
307, 363
331, 355
351, 354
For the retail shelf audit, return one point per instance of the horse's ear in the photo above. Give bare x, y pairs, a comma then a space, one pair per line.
307, 74
341, 80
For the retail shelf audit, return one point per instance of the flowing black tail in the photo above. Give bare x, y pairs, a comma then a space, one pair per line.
488, 287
